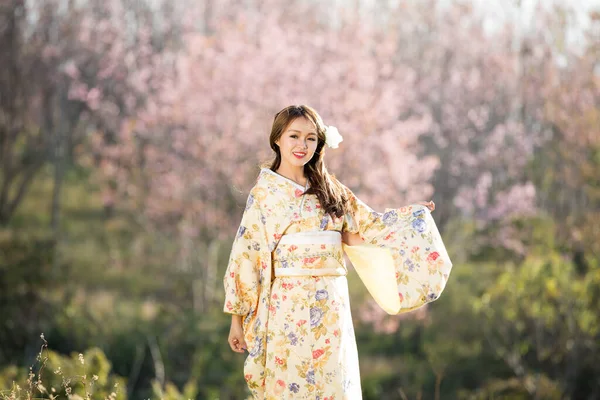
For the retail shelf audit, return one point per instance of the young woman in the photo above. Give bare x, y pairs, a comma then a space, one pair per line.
285, 283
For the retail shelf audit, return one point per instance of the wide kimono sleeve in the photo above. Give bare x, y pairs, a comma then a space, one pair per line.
403, 261
248, 260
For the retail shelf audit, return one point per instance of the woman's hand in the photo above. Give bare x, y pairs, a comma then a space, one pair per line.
428, 204
236, 335
352, 239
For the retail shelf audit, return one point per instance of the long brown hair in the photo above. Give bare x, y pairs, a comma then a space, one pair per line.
331, 193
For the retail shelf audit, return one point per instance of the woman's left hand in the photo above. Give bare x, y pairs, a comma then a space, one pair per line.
428, 204
352, 239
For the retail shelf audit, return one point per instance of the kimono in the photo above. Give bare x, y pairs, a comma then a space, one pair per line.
287, 277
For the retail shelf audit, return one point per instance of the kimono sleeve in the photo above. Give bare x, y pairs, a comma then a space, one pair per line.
247, 260
403, 262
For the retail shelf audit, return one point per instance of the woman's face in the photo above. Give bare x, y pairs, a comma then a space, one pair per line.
298, 143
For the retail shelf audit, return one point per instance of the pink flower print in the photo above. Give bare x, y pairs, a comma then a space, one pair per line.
298, 192
279, 387
327, 341
415, 249
323, 247
301, 322
310, 260
317, 353
401, 297
292, 247
278, 361
433, 256
248, 377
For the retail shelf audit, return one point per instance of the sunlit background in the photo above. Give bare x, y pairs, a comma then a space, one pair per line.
132, 130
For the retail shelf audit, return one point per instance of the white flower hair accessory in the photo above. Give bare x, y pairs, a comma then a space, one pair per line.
332, 137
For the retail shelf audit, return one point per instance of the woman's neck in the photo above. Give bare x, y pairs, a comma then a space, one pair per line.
296, 175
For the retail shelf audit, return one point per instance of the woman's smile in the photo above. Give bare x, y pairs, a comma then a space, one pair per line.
299, 154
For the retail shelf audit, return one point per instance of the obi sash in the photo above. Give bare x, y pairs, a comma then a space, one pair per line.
316, 253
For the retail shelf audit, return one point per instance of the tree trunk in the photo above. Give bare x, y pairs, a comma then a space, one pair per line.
211, 280
438, 384
58, 163
198, 285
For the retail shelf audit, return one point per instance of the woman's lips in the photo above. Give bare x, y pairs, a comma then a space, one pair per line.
299, 155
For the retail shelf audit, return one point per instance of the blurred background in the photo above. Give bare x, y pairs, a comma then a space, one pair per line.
132, 130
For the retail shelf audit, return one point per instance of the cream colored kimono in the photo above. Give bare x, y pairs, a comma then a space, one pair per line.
286, 276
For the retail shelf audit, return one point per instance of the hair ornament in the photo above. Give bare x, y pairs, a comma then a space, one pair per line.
332, 137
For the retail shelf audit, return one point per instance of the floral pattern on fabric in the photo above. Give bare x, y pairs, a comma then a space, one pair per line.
422, 265
299, 329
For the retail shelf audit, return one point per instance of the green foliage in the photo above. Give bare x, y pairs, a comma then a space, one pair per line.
540, 317
86, 375
26, 299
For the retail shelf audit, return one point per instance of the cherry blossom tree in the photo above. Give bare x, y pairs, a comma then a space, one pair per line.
72, 68
208, 131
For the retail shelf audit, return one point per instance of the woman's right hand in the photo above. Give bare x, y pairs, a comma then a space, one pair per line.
236, 335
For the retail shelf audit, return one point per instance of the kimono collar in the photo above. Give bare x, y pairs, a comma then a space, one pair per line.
283, 178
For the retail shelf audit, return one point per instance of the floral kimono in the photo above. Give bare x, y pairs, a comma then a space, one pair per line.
286, 277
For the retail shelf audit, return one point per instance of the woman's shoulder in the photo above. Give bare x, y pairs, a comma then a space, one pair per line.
259, 191
262, 180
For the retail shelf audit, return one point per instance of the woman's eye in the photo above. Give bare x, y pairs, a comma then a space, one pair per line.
313, 139
294, 136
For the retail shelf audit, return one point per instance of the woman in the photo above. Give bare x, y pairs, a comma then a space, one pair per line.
285, 283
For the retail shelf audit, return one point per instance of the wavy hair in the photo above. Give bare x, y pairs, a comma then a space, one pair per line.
332, 195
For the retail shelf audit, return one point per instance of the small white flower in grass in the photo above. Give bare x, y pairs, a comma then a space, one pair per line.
95, 377
81, 358
333, 137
